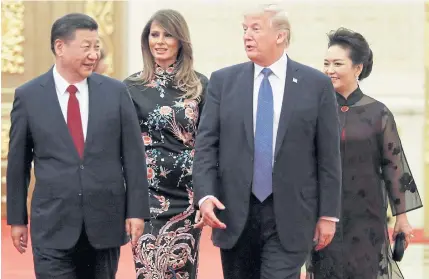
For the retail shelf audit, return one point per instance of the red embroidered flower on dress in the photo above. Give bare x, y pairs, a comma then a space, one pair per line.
169, 70
165, 110
150, 173
147, 140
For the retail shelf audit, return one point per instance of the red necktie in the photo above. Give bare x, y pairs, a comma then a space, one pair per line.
74, 121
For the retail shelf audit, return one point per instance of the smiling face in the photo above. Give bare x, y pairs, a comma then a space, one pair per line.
163, 46
79, 54
340, 68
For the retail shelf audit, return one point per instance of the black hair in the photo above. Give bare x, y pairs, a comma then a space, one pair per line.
65, 27
359, 50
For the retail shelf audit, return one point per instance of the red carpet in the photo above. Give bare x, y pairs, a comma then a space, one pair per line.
16, 266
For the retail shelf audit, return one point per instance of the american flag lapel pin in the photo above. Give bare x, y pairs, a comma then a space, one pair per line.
295, 80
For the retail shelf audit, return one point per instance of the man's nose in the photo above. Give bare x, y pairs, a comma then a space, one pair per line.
93, 55
247, 36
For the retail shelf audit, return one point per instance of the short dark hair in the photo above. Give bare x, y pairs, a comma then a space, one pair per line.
359, 50
65, 27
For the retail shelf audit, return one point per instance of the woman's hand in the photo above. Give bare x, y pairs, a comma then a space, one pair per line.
402, 225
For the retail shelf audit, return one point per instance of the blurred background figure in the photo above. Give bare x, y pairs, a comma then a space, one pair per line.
101, 66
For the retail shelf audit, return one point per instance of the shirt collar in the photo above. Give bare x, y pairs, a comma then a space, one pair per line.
62, 84
354, 97
278, 68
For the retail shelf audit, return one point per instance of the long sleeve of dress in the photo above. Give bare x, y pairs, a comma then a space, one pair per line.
204, 83
400, 184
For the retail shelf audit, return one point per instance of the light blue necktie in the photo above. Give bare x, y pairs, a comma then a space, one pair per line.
263, 157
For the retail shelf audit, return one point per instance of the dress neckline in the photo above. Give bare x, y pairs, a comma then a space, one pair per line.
170, 71
353, 98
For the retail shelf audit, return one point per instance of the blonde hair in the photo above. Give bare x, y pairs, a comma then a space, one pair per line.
278, 17
185, 78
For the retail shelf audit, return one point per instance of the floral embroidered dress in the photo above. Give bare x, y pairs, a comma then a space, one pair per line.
169, 245
375, 172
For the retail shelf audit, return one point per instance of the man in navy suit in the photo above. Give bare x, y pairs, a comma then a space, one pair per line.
81, 131
267, 157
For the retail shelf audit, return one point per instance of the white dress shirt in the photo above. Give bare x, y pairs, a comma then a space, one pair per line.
82, 96
277, 80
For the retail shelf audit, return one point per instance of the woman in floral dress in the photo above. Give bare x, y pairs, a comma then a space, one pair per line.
374, 168
168, 96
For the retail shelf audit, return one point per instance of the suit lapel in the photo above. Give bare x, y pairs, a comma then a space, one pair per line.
289, 101
95, 99
53, 110
245, 84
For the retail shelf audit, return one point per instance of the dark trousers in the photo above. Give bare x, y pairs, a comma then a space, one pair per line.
80, 262
258, 253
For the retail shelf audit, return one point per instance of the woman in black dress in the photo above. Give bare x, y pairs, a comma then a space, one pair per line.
375, 171
168, 95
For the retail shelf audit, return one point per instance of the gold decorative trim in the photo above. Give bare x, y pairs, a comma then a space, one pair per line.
5, 123
103, 13
426, 123
12, 26
5, 127
8, 90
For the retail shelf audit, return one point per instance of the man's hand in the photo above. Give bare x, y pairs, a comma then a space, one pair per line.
207, 214
19, 235
134, 228
325, 231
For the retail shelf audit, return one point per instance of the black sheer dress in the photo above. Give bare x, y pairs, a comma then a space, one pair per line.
375, 172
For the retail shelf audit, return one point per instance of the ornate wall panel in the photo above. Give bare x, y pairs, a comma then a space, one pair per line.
12, 50
426, 132
109, 15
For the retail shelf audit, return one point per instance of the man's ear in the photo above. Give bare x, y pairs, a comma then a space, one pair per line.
282, 37
59, 47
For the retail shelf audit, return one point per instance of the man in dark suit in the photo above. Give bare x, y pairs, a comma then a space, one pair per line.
82, 133
268, 157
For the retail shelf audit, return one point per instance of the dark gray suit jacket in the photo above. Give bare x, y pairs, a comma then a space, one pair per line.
307, 167
70, 191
